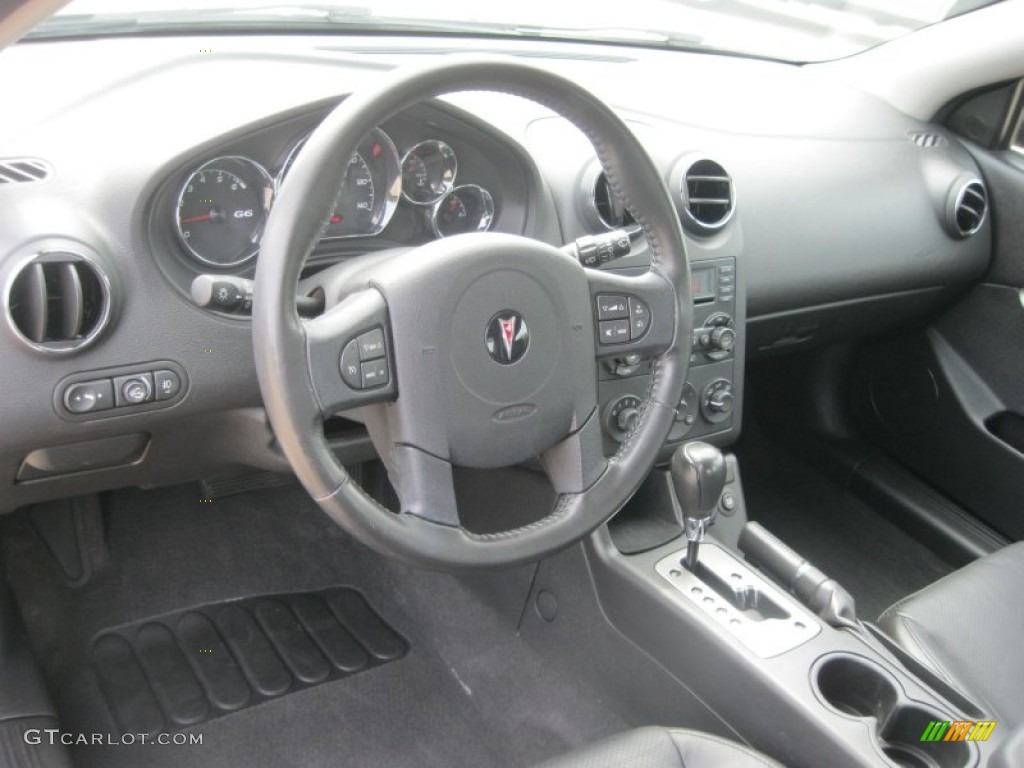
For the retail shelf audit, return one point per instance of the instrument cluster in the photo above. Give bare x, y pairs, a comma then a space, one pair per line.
223, 204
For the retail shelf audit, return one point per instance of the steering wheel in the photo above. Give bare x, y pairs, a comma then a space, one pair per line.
478, 350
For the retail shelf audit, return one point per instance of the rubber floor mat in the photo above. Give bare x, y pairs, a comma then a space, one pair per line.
160, 675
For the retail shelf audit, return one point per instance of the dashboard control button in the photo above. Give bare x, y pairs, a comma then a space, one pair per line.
613, 332
89, 396
350, 371
639, 318
371, 345
610, 307
167, 384
374, 374
728, 503
134, 389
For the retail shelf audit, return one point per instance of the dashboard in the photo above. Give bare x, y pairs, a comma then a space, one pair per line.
813, 213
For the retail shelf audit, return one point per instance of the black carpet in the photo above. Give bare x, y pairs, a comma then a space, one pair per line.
875, 560
484, 681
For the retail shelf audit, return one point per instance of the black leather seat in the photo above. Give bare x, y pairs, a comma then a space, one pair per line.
663, 748
968, 627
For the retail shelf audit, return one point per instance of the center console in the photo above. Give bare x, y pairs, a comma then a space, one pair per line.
769, 642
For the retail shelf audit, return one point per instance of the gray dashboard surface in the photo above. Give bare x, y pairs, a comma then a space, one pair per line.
834, 202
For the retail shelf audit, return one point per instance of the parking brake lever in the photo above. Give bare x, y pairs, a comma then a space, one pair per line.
822, 594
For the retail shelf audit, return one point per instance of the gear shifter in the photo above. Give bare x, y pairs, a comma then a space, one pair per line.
698, 476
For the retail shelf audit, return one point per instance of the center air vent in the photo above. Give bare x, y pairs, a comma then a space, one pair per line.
968, 203
610, 209
58, 302
21, 170
708, 196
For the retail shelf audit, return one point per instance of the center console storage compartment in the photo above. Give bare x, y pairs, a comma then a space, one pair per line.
858, 688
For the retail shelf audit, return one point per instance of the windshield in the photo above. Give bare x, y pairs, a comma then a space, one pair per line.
793, 30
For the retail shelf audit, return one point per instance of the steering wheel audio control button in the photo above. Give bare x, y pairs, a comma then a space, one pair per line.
639, 318
371, 345
374, 374
612, 307
351, 373
613, 331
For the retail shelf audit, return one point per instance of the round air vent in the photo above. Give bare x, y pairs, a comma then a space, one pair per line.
966, 208
609, 208
709, 199
58, 301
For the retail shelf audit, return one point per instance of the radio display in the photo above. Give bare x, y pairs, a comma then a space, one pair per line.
702, 284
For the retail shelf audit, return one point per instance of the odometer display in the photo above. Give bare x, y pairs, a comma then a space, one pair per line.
222, 209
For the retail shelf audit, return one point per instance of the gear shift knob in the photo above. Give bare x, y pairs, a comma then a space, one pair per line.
698, 476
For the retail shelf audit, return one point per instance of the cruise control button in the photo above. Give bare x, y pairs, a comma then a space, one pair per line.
612, 307
639, 318
375, 374
89, 396
350, 372
167, 384
134, 389
613, 332
371, 345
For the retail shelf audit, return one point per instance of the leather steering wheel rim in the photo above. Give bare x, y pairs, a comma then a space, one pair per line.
282, 340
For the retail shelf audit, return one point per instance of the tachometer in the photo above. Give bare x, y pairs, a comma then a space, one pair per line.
370, 191
428, 172
467, 208
222, 209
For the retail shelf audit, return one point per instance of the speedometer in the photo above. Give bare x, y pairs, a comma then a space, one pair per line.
370, 191
222, 208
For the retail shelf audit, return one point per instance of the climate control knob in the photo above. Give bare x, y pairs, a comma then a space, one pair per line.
620, 416
723, 339
718, 401
626, 418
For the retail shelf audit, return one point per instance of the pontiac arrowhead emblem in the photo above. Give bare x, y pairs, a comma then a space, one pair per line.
507, 337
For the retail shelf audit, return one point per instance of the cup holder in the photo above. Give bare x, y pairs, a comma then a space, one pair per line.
858, 688
901, 741
854, 686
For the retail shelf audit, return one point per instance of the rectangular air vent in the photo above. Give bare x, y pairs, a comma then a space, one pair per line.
23, 170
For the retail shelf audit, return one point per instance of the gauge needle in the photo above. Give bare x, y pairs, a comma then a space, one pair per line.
205, 217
